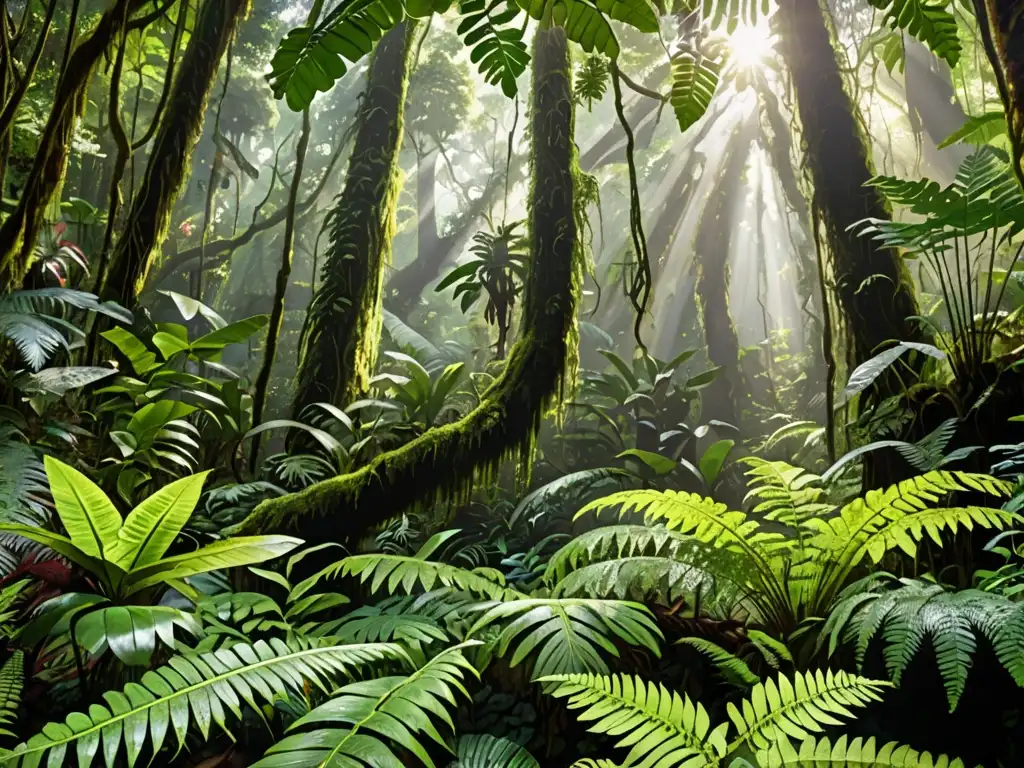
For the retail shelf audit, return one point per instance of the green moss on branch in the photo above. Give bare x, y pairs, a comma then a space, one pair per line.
447, 461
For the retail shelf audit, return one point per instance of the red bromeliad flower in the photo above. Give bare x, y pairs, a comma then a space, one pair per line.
187, 228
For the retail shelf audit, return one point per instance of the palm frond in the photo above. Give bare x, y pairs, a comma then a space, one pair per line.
733, 668
849, 753
12, 678
486, 751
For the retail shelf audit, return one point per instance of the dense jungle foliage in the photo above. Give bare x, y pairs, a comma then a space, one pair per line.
512, 383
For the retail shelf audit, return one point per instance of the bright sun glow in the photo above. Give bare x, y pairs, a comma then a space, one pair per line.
750, 47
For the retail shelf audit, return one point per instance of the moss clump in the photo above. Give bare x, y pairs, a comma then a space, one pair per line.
447, 461
340, 344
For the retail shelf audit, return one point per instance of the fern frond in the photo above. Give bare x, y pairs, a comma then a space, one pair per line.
194, 690
486, 751
849, 753
660, 726
905, 617
367, 720
409, 572
733, 668
12, 678
569, 635
800, 707
784, 493
899, 516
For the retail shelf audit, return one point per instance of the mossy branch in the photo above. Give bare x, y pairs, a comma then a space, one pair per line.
447, 461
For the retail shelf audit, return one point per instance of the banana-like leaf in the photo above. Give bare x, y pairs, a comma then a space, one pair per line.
152, 526
89, 517
230, 553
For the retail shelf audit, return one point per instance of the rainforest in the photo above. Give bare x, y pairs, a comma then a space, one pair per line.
512, 383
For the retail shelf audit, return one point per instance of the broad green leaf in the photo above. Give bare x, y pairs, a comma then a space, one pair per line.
661, 465
139, 355
234, 333
695, 77
713, 460
153, 525
230, 553
978, 130
867, 372
91, 520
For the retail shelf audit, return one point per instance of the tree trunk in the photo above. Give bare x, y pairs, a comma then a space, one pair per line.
168, 168
1002, 28
407, 284
343, 331
873, 287
712, 290
18, 232
446, 462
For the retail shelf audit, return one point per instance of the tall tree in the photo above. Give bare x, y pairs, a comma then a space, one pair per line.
712, 261
1002, 29
873, 287
168, 168
343, 328
446, 461
45, 179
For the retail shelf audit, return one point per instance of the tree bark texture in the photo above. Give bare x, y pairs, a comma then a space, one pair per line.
339, 347
446, 461
873, 286
168, 168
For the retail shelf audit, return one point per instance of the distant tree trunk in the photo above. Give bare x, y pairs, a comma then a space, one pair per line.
18, 231
447, 461
712, 290
340, 344
168, 168
873, 286
434, 250
1002, 29
12, 101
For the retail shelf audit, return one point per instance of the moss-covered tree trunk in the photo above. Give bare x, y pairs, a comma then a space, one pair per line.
168, 168
712, 289
873, 287
340, 344
446, 461
18, 232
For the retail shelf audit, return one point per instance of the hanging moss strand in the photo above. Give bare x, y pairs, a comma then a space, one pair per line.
446, 462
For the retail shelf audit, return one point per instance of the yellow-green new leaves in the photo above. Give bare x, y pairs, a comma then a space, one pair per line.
89, 517
695, 77
852, 753
659, 726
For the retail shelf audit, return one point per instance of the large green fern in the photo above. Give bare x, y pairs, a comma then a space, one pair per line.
192, 691
917, 612
930, 21
661, 727
364, 722
12, 678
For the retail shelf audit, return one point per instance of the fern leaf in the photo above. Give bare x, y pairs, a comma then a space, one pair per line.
486, 751
930, 21
568, 635
732, 668
800, 707
194, 689
695, 77
660, 726
785, 494
12, 678
366, 721
497, 48
849, 753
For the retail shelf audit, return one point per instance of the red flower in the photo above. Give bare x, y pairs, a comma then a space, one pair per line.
187, 228
60, 228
